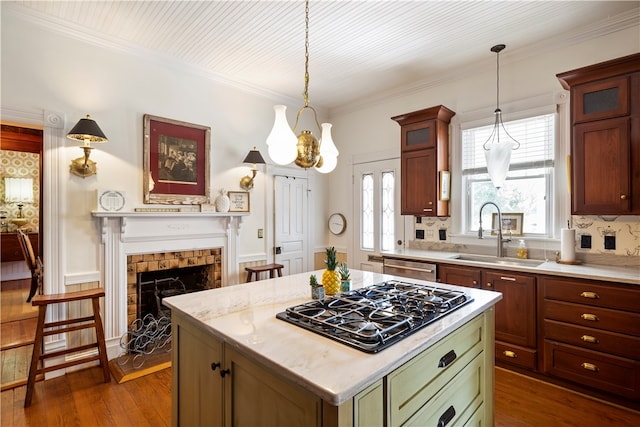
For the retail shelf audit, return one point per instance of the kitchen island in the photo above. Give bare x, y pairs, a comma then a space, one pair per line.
235, 363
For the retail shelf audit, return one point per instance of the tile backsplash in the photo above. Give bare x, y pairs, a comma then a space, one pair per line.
609, 235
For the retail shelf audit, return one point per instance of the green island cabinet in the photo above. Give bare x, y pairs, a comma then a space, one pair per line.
217, 384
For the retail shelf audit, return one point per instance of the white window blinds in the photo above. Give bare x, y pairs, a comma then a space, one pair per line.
535, 135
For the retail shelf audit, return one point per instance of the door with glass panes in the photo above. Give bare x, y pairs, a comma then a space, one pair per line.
378, 224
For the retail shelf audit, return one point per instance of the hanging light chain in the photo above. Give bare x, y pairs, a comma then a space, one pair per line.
306, 53
497, 50
305, 94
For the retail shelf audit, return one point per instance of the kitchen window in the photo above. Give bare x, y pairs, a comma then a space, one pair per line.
530, 182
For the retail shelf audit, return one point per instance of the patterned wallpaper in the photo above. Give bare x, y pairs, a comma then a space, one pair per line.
17, 164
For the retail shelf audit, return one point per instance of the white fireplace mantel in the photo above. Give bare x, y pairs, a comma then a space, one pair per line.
131, 233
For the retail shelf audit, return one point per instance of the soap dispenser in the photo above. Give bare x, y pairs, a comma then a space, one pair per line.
522, 251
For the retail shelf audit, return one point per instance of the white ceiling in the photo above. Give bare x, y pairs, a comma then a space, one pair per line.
358, 49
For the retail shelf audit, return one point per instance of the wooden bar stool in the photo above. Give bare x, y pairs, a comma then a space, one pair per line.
44, 329
257, 269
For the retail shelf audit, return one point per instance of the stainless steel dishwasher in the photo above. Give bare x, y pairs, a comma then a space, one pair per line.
409, 268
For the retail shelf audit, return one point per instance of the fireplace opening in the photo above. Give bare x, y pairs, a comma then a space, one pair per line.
153, 286
197, 269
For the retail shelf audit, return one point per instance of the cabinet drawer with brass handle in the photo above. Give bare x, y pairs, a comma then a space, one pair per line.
605, 372
593, 317
516, 355
588, 292
593, 339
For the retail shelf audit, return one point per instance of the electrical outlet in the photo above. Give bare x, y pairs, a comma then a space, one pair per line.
418, 220
585, 241
260, 233
420, 234
609, 242
442, 234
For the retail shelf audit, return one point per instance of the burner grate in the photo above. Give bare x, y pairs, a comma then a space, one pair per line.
373, 318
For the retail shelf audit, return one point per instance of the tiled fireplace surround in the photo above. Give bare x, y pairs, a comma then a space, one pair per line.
182, 236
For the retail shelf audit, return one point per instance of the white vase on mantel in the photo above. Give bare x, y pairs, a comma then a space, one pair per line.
223, 204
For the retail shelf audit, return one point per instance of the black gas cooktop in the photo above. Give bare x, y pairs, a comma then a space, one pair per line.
375, 317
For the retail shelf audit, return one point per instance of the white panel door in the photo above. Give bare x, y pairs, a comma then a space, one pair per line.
291, 228
378, 223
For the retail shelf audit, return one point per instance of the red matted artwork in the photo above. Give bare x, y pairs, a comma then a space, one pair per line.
176, 162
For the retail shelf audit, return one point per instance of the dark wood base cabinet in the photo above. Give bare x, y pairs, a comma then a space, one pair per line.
590, 334
515, 314
581, 334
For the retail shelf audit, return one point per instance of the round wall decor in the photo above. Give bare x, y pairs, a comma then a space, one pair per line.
337, 223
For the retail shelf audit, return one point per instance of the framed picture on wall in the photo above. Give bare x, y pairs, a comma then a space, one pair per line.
176, 162
445, 185
511, 224
239, 201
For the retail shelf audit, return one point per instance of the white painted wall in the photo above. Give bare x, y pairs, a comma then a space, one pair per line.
363, 128
45, 69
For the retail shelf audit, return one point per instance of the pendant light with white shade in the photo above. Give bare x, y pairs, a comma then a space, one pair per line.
498, 148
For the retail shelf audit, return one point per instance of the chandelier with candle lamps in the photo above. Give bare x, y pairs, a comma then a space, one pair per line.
305, 149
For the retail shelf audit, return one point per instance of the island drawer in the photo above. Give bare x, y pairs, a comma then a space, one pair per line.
516, 355
591, 293
593, 339
456, 402
412, 384
609, 373
477, 419
594, 317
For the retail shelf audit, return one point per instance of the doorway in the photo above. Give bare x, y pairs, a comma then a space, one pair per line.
21, 149
291, 223
378, 226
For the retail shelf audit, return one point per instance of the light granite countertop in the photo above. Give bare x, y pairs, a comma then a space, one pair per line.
244, 316
628, 275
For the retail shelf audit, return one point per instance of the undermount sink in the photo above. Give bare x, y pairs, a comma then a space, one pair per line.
501, 261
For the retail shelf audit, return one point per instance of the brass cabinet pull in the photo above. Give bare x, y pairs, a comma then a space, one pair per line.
589, 338
623, 197
590, 317
591, 295
475, 282
590, 367
511, 279
427, 210
509, 353
489, 285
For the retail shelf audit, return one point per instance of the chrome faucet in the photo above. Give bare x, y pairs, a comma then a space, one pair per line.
501, 239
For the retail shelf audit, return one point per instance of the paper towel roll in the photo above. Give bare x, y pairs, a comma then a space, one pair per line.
567, 244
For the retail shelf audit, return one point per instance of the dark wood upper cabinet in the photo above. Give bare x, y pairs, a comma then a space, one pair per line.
424, 142
605, 137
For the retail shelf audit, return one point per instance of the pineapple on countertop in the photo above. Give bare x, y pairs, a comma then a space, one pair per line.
331, 277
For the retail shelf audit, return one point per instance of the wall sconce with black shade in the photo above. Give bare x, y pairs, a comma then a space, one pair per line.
87, 131
18, 191
254, 156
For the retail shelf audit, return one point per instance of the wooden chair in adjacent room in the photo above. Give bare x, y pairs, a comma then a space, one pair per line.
44, 329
